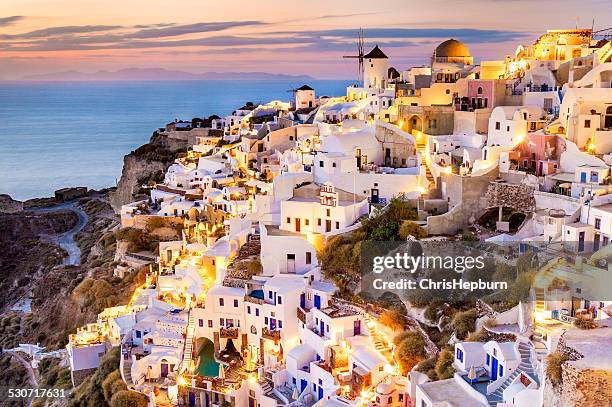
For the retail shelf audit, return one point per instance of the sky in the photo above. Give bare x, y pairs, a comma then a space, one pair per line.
290, 37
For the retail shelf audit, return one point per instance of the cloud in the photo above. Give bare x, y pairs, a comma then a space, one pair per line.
469, 35
60, 31
176, 30
6, 21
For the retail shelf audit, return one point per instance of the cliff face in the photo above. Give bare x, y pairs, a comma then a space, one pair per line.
147, 164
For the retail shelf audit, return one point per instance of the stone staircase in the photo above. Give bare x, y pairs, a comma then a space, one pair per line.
525, 366
127, 371
188, 351
380, 342
539, 299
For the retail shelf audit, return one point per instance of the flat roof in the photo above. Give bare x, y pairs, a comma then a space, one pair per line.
451, 392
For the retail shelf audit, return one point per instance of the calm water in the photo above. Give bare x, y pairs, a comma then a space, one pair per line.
54, 135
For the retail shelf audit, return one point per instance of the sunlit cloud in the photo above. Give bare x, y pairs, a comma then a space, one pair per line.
5, 21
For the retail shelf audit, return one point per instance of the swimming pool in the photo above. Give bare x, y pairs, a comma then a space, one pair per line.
207, 365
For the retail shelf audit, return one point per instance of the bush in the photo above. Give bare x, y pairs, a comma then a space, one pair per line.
126, 398
431, 312
444, 365
393, 318
428, 366
410, 350
110, 385
464, 323
409, 228
479, 336
584, 323
554, 366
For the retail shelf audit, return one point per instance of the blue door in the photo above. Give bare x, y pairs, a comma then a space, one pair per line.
583, 177
303, 301
494, 369
322, 326
317, 302
357, 327
320, 392
303, 384
192, 398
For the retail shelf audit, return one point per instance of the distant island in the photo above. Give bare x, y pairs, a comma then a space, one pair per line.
156, 74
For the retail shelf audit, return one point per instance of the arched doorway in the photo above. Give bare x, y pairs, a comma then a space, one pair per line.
414, 125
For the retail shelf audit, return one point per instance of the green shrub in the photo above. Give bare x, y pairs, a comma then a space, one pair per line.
428, 366
444, 364
464, 323
410, 350
409, 228
126, 398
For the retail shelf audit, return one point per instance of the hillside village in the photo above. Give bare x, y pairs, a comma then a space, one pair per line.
250, 293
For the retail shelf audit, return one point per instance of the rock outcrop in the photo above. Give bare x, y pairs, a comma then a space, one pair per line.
145, 165
10, 205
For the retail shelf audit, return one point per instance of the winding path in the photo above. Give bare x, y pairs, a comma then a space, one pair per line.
66, 240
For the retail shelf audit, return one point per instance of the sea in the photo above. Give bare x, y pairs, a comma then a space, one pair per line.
60, 134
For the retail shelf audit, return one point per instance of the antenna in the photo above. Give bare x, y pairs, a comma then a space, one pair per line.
360, 54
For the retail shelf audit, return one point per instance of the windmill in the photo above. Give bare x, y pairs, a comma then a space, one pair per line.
360, 54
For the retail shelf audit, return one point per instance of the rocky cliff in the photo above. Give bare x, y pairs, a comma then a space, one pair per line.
145, 165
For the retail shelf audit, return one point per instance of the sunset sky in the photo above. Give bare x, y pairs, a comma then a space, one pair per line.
295, 37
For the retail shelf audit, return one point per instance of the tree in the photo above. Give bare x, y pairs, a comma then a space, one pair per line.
428, 366
410, 350
126, 398
444, 364
409, 228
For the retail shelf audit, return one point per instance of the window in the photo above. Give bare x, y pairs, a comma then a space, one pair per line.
327, 212
597, 223
270, 294
210, 324
221, 322
288, 220
280, 323
138, 334
337, 225
308, 258
306, 222
248, 309
200, 323
256, 312
235, 303
448, 91
497, 125
507, 128
479, 91
321, 164
318, 221
488, 359
501, 370
279, 299
266, 320
334, 164
221, 301
587, 124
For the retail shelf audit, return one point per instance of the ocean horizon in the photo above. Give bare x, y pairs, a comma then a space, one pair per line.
61, 134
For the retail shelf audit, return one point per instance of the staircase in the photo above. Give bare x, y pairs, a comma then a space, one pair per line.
525, 366
380, 342
188, 351
539, 297
127, 371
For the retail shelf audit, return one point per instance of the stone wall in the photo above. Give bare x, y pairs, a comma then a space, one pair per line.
517, 196
466, 196
79, 376
586, 387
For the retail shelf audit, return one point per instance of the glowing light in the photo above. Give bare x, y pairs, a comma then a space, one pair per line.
447, 170
181, 381
520, 138
591, 146
400, 124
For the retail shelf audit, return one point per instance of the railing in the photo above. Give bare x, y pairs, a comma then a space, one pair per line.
268, 333
231, 333
301, 315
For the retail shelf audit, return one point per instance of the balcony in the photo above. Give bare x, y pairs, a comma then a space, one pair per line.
271, 334
229, 333
301, 314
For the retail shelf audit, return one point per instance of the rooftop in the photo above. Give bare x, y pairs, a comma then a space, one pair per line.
449, 391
